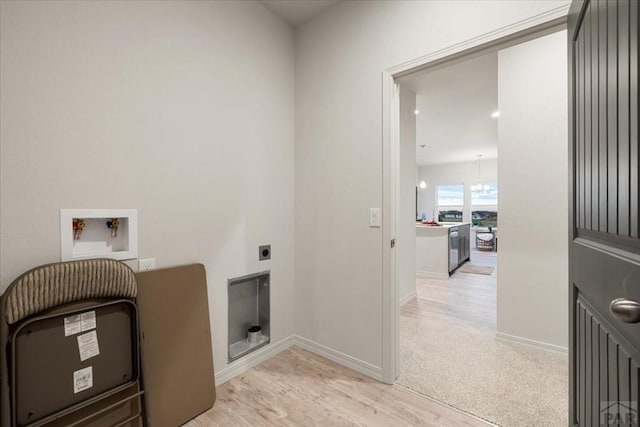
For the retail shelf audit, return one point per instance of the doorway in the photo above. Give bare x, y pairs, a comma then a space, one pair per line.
489, 345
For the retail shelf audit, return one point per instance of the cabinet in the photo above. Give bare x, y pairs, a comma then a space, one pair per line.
432, 251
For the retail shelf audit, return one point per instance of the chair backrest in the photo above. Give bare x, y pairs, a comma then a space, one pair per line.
74, 285
60, 283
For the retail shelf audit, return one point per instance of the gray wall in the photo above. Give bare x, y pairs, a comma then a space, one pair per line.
533, 184
183, 110
406, 221
339, 59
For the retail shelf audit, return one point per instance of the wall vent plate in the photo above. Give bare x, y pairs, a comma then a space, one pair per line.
264, 252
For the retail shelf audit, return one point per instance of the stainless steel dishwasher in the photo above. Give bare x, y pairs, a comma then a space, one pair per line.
454, 246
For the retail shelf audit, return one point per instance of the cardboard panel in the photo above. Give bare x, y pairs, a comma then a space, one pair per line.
177, 359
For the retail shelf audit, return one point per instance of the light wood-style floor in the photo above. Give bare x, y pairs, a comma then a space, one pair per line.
299, 388
465, 300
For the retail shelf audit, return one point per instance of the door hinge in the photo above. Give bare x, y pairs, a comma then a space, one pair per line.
393, 243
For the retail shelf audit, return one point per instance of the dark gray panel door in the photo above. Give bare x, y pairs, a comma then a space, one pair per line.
604, 243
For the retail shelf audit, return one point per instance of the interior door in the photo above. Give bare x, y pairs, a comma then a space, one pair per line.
604, 243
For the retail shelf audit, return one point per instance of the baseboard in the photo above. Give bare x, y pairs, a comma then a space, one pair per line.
358, 365
432, 275
405, 299
532, 343
249, 361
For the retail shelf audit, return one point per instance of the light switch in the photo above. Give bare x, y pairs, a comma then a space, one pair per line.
374, 217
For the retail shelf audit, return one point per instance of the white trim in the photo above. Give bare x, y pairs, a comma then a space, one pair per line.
432, 275
411, 295
532, 343
358, 365
390, 136
390, 301
249, 361
551, 17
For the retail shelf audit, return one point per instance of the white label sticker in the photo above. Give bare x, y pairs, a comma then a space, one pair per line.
88, 345
72, 325
82, 379
88, 320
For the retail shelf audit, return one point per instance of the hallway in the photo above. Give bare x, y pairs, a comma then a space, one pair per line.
449, 352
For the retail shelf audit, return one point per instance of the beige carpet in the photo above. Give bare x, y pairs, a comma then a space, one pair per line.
448, 351
476, 269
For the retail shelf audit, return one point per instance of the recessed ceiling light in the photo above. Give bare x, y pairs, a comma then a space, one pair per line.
416, 112
495, 114
423, 184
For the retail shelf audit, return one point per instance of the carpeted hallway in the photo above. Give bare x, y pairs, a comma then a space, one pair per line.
448, 351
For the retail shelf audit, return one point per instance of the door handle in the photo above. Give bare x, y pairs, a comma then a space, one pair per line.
626, 310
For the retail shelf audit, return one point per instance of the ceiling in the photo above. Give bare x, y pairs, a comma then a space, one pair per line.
455, 104
297, 12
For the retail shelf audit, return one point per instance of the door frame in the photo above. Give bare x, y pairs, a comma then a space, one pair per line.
545, 23
575, 13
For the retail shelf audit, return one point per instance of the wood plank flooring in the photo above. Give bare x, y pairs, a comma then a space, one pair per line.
465, 300
299, 388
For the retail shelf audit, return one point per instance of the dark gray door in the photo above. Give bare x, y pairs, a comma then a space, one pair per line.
604, 243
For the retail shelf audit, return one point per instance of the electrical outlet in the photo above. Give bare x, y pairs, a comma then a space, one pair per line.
146, 264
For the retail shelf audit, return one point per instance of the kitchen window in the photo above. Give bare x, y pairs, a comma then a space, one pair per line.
484, 194
450, 202
484, 202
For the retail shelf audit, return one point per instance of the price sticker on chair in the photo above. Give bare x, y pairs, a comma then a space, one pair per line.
82, 379
88, 345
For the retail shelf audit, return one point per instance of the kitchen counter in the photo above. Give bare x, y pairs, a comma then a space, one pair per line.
442, 225
435, 256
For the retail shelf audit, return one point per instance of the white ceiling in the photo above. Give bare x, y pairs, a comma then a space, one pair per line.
297, 12
455, 103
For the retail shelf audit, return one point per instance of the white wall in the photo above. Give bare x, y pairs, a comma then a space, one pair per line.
533, 185
454, 173
406, 221
339, 60
455, 103
183, 110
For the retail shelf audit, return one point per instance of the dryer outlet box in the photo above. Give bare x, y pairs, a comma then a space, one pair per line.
264, 252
